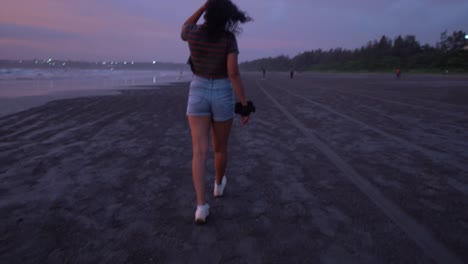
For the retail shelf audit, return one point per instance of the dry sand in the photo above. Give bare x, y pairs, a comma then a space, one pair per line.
332, 169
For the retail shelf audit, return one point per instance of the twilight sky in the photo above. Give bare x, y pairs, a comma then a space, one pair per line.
146, 30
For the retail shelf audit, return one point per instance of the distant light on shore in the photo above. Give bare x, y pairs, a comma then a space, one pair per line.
466, 36
154, 62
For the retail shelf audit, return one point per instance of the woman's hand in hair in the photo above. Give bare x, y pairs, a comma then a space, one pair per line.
195, 17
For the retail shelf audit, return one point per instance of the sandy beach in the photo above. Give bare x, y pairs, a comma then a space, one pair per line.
333, 168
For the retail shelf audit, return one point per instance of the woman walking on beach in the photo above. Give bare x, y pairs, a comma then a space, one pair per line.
213, 58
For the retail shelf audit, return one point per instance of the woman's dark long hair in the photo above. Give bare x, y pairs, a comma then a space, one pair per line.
223, 16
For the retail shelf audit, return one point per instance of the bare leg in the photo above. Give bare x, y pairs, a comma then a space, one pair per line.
200, 129
221, 132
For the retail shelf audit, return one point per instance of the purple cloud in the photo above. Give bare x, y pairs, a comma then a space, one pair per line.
147, 30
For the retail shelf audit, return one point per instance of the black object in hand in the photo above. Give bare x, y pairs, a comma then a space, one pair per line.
244, 110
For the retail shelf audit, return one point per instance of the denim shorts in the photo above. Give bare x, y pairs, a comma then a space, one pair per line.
211, 97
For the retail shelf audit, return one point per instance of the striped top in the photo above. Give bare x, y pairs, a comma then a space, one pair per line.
209, 58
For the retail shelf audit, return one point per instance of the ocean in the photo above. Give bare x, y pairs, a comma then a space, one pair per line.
35, 82
21, 89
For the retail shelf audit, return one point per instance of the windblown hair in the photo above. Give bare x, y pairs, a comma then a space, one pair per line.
223, 16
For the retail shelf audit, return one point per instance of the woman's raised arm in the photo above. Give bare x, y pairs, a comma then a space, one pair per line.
193, 19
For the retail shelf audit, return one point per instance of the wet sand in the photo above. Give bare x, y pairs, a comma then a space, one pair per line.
333, 168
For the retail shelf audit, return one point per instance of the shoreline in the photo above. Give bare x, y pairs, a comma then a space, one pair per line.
10, 105
14, 105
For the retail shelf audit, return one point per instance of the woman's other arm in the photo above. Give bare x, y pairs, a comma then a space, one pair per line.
236, 80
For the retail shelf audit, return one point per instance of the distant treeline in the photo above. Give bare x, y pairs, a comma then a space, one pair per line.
403, 52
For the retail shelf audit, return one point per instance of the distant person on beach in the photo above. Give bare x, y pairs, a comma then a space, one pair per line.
211, 103
263, 73
291, 74
398, 73
181, 74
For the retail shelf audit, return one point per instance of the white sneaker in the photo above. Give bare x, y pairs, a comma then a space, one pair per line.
203, 211
219, 189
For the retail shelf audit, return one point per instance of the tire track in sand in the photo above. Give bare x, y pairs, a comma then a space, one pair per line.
436, 156
404, 104
418, 233
426, 103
